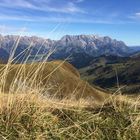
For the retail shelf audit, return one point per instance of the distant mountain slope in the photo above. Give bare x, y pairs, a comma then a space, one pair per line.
135, 48
136, 55
104, 70
3, 55
58, 79
81, 49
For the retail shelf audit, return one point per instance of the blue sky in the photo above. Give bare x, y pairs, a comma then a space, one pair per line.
118, 19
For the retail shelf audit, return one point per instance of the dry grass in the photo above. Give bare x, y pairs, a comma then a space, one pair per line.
29, 116
49, 101
27, 113
56, 78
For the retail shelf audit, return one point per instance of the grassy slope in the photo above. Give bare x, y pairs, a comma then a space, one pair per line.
28, 116
54, 77
103, 73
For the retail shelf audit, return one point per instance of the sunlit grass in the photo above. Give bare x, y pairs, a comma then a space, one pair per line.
75, 110
29, 116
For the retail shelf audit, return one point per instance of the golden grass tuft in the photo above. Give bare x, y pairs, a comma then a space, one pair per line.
29, 116
49, 101
55, 78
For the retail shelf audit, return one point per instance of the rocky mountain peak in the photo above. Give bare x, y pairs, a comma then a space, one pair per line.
87, 46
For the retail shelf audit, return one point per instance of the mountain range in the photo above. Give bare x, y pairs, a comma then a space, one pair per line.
78, 49
97, 58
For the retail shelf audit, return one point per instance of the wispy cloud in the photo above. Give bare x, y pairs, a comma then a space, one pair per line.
54, 11
135, 16
62, 19
11, 29
44, 5
16, 17
79, 1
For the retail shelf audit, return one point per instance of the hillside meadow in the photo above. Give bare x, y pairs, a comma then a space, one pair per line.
48, 100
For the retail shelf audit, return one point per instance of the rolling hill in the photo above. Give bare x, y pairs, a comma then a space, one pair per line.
105, 70
56, 79
135, 48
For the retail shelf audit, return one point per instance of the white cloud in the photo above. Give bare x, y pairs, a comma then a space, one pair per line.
137, 14
44, 5
71, 7
59, 19
20, 3
10, 29
15, 17
79, 1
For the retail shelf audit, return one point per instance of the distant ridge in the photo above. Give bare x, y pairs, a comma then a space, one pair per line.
80, 48
102, 72
135, 49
